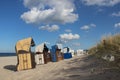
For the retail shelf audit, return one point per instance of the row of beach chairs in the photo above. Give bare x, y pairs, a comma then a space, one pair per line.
26, 59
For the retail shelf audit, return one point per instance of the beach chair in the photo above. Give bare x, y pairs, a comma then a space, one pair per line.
42, 56
56, 54
25, 57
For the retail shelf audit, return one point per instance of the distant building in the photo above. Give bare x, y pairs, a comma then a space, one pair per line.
79, 52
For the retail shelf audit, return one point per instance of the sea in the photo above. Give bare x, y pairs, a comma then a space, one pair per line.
7, 54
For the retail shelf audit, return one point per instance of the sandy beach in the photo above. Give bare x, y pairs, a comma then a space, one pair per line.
76, 68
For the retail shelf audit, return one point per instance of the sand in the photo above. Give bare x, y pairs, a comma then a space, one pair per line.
77, 68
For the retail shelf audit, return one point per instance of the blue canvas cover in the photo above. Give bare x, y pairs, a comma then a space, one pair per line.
53, 54
67, 55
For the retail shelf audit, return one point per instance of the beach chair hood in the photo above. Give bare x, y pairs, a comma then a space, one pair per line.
24, 45
39, 48
59, 46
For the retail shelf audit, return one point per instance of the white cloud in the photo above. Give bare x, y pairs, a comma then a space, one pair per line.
68, 30
46, 42
69, 36
61, 41
116, 14
100, 10
87, 27
92, 25
75, 44
101, 2
117, 25
49, 11
50, 28
65, 38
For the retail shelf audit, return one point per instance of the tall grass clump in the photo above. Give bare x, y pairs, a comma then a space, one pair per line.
108, 45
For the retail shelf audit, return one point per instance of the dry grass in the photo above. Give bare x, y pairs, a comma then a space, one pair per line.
109, 45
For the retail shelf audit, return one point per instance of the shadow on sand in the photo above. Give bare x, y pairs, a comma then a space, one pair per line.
11, 67
91, 69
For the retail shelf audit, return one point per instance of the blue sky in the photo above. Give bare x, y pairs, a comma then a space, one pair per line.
79, 24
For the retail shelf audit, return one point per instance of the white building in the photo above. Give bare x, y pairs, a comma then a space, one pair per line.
80, 52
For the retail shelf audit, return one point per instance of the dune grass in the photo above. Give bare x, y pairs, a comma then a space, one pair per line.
108, 45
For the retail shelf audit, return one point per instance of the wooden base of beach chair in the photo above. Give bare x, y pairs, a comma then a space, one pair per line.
25, 61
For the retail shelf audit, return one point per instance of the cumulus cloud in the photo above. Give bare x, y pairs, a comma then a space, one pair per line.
117, 25
92, 25
76, 44
116, 14
68, 30
69, 36
87, 27
100, 10
65, 38
49, 11
101, 2
50, 28
61, 41
46, 42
